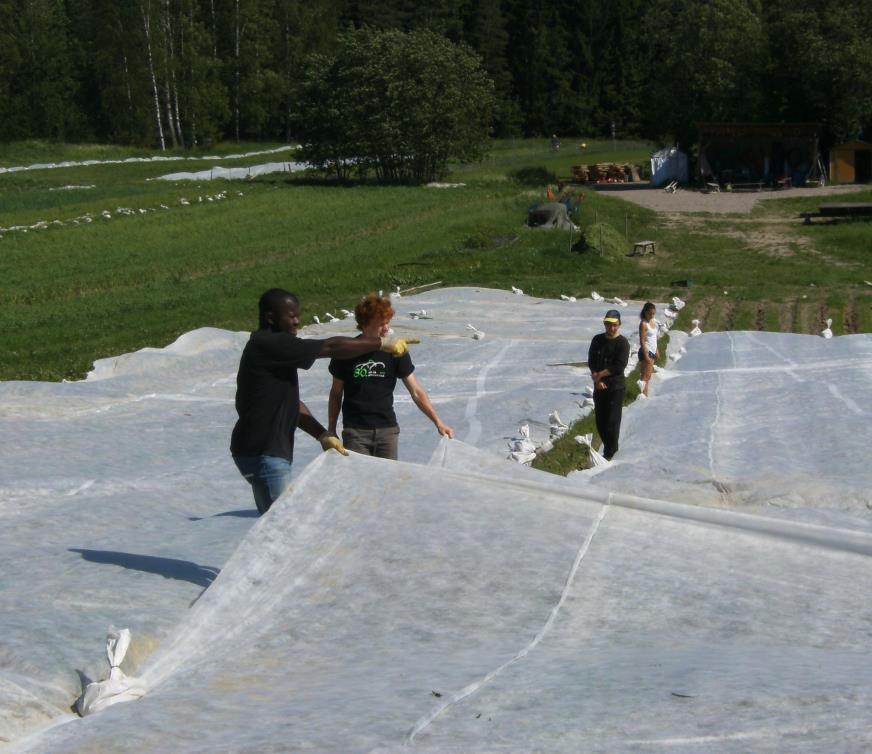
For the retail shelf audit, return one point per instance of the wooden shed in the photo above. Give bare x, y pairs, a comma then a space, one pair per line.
851, 162
771, 154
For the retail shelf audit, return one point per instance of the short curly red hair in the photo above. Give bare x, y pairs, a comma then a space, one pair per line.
373, 307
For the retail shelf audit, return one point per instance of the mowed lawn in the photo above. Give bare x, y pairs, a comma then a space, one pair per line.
199, 254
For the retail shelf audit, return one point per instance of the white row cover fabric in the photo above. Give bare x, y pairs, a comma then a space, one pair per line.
770, 421
240, 173
155, 158
556, 615
383, 606
119, 501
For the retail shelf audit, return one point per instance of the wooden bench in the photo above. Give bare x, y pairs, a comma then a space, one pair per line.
753, 186
641, 248
835, 211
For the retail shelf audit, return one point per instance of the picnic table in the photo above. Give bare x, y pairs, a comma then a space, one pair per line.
840, 209
749, 186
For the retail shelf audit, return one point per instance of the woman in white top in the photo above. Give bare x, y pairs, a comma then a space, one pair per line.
648, 352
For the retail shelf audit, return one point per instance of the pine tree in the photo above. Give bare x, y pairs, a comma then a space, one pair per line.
40, 74
820, 66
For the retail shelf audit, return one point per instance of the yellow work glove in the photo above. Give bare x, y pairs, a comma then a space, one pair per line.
332, 442
397, 346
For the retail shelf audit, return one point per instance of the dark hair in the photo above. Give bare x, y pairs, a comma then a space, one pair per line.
372, 306
649, 307
271, 301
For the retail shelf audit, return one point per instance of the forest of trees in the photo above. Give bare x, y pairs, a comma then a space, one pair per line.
185, 72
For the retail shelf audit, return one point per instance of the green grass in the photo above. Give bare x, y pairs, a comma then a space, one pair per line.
71, 294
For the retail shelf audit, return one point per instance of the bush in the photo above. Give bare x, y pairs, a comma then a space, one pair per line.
533, 176
401, 105
603, 239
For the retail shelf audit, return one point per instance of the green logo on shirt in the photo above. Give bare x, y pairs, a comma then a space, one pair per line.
370, 369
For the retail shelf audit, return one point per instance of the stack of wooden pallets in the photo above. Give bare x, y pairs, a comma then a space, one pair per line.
580, 174
604, 172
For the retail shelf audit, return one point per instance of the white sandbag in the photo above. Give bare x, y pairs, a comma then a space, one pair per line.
118, 687
596, 458
476, 333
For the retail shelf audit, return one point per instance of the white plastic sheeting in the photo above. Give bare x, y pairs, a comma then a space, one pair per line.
99, 695
383, 606
472, 605
756, 419
668, 164
249, 171
153, 158
119, 501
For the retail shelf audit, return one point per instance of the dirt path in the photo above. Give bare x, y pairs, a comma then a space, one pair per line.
686, 200
729, 215
773, 236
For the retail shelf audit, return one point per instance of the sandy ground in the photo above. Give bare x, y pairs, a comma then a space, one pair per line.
687, 200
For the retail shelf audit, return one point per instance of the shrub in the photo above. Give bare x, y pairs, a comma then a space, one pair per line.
533, 176
603, 239
398, 104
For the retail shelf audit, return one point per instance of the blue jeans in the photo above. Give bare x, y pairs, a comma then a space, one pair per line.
269, 477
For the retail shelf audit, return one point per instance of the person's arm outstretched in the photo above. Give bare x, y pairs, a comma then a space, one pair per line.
423, 402
342, 347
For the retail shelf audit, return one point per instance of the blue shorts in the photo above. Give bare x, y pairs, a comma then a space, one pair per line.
642, 355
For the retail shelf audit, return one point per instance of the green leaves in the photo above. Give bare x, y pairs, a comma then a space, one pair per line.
399, 105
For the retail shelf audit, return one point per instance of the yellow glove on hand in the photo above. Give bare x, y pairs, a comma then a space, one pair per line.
397, 346
331, 442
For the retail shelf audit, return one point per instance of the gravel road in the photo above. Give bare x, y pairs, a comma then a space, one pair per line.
688, 200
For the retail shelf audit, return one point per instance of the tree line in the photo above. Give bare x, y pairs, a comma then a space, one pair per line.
181, 73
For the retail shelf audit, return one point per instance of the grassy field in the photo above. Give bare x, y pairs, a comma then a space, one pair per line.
186, 258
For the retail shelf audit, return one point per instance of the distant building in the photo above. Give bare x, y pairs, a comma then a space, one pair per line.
851, 162
758, 153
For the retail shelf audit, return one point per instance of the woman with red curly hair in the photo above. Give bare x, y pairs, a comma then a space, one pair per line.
363, 388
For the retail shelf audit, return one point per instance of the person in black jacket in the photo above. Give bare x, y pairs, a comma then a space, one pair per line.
268, 393
607, 359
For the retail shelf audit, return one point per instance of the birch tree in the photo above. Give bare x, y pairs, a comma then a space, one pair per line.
145, 12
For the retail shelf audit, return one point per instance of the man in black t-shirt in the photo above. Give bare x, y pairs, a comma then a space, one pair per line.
268, 393
607, 359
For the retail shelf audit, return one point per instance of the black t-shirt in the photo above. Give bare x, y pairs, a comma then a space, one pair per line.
368, 395
268, 393
612, 354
